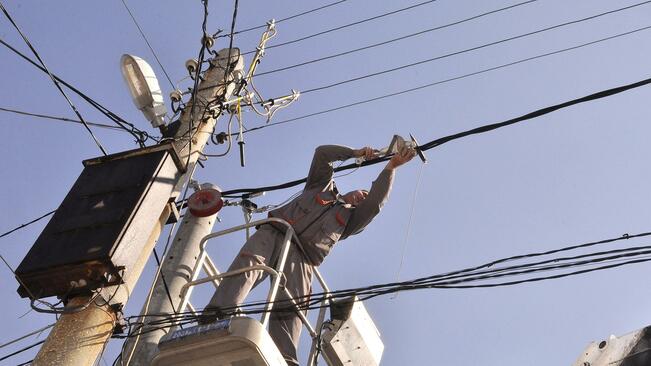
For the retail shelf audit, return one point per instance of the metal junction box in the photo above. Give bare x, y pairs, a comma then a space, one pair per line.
352, 338
106, 217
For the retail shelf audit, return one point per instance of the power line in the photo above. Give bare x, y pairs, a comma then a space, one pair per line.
38, 331
63, 119
474, 131
417, 88
464, 278
148, 44
27, 224
395, 39
139, 135
56, 83
283, 19
546, 29
21, 350
347, 25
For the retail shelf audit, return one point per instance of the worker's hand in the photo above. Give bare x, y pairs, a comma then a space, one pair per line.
402, 156
366, 152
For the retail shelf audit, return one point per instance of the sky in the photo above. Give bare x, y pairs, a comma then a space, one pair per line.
576, 175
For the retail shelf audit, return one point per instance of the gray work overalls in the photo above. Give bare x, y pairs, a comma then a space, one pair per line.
319, 220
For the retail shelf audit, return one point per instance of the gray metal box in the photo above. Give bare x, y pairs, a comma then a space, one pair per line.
76, 252
352, 338
238, 341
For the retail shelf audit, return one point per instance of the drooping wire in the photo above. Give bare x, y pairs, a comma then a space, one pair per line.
407, 36
140, 136
27, 224
411, 218
283, 19
300, 39
56, 83
229, 138
474, 131
485, 45
144, 37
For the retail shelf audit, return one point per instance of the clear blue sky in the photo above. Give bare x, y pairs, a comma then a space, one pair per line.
576, 175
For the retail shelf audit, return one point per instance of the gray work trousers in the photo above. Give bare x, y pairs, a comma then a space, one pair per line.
264, 247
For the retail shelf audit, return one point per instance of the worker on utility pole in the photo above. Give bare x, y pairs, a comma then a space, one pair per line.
321, 217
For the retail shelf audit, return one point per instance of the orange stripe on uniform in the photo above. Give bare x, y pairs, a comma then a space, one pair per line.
340, 219
322, 202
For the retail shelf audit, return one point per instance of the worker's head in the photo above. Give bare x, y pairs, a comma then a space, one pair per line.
355, 197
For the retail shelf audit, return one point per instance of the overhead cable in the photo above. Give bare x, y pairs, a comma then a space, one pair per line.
148, 44
520, 36
27, 224
139, 135
474, 131
36, 332
347, 25
56, 83
444, 81
22, 350
471, 277
63, 119
425, 31
283, 19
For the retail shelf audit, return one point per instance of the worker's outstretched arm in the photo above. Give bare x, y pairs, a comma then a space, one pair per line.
378, 195
321, 170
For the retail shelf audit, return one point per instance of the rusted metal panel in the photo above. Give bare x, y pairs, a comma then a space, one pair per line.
75, 252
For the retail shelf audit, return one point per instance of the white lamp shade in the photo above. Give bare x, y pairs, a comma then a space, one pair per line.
144, 88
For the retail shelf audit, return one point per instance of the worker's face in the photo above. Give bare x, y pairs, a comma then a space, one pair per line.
355, 197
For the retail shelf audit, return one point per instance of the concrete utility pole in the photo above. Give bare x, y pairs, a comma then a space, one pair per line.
177, 271
79, 337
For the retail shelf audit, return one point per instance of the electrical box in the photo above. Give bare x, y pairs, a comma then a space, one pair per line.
632, 349
238, 341
94, 236
350, 337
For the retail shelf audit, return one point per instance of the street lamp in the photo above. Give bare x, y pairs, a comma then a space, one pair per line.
144, 88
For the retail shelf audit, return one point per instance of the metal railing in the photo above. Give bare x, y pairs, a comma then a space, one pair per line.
204, 261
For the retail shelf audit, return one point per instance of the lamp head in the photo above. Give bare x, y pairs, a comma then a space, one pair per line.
144, 89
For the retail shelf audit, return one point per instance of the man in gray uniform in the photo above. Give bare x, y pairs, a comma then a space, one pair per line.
320, 217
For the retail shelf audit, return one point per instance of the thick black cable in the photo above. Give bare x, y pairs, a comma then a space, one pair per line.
63, 119
345, 26
504, 40
27, 224
22, 350
425, 31
140, 135
440, 141
283, 19
142, 33
56, 83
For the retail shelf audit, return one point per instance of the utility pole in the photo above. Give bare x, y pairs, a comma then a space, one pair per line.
175, 271
79, 336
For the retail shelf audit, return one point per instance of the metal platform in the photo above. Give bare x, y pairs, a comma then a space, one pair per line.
352, 339
239, 341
